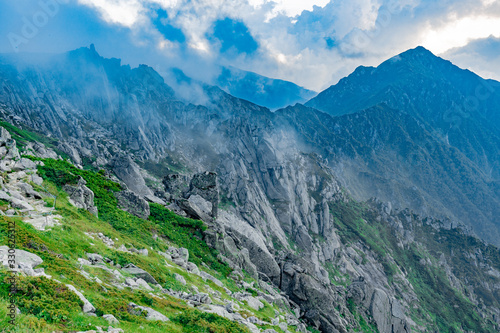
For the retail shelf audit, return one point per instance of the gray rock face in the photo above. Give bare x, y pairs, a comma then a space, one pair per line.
139, 273
128, 172
24, 164
176, 184
387, 312
132, 203
150, 313
25, 261
81, 196
87, 307
316, 301
71, 152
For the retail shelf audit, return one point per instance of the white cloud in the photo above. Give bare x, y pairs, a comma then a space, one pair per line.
460, 32
122, 12
290, 8
313, 43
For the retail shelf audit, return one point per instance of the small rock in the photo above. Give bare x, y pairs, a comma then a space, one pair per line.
118, 275
111, 319
143, 284
87, 307
192, 268
230, 307
254, 303
180, 278
140, 273
283, 327
151, 314
94, 258
111, 329
84, 262
131, 282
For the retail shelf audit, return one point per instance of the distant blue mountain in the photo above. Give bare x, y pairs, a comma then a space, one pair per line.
261, 90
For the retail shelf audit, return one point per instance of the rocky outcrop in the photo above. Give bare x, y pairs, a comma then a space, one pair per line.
22, 261
139, 273
81, 196
204, 185
197, 196
317, 301
129, 172
132, 203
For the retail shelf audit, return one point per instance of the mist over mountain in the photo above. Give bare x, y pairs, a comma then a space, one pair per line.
261, 90
351, 213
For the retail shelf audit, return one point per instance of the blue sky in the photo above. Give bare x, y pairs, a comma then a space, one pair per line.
312, 43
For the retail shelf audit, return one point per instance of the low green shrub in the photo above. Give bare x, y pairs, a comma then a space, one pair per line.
194, 321
43, 298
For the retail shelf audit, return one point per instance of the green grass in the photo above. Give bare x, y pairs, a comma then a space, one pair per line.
23, 136
189, 233
199, 322
62, 245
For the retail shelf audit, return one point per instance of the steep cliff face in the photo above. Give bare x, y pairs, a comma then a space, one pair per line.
388, 154
268, 186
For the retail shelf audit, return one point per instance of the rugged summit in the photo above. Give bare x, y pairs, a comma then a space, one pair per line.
434, 148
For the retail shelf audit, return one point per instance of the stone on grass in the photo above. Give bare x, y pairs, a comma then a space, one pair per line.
151, 314
111, 319
180, 279
139, 273
87, 307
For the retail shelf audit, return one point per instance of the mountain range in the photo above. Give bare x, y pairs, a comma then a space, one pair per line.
372, 207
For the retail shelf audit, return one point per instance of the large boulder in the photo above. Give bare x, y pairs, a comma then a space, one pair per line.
129, 173
81, 196
197, 207
24, 164
132, 203
5, 136
205, 185
24, 261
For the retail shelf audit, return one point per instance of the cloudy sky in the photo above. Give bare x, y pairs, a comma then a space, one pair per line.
313, 43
